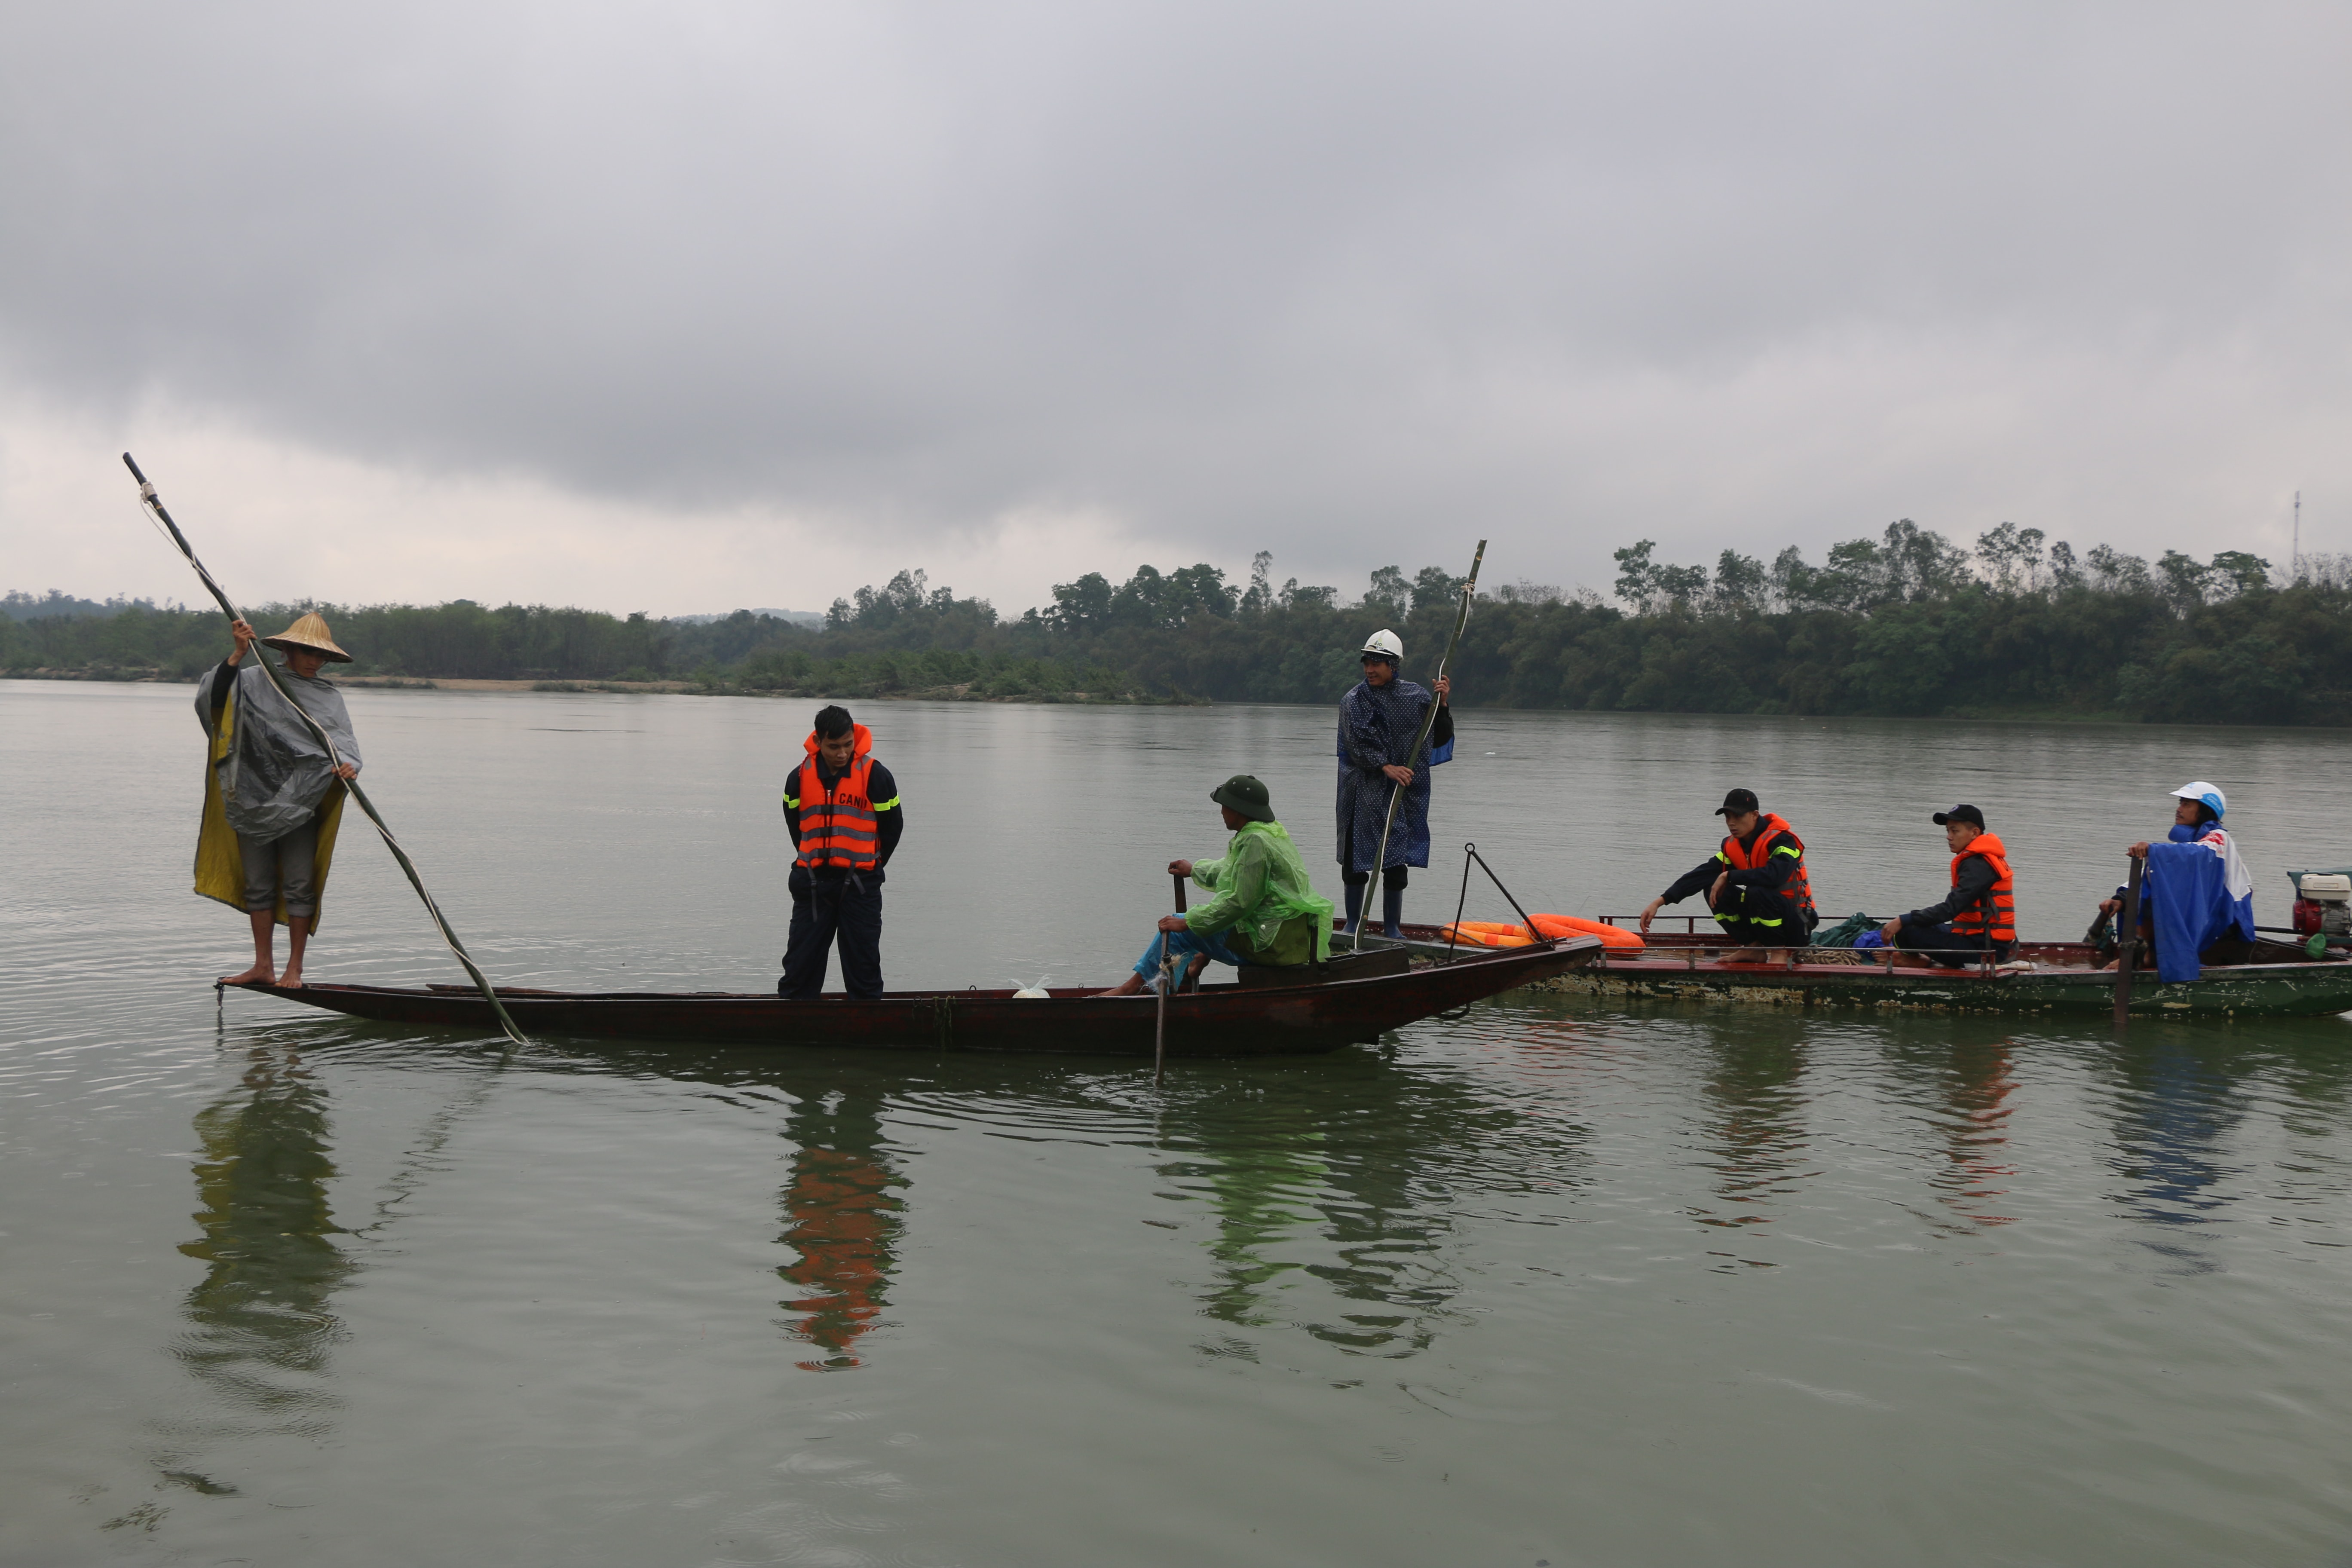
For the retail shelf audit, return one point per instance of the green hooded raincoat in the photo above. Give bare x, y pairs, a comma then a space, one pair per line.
1263, 901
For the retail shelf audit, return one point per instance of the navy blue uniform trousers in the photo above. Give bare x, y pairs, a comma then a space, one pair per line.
840, 906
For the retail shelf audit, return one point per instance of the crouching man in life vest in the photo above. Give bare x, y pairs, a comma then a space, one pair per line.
1263, 911
842, 808
1756, 883
1978, 915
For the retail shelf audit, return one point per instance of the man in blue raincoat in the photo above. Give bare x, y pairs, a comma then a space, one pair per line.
1379, 720
2196, 900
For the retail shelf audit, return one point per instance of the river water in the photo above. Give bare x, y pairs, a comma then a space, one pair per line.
1556, 1283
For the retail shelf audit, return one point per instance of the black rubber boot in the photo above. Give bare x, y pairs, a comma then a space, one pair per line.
1354, 893
1392, 911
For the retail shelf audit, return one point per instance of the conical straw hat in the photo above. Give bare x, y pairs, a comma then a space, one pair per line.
309, 635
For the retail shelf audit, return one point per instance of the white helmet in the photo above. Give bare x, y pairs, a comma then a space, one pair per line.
2198, 789
1386, 644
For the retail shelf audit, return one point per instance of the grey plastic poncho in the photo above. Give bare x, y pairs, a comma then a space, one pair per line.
274, 772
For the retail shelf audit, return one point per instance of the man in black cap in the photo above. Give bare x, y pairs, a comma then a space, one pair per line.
1265, 911
1978, 915
1756, 883
842, 810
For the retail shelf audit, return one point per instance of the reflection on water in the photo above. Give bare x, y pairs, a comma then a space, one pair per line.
1975, 1130
2173, 1112
1332, 1196
1754, 1100
259, 1331
1263, 1191
842, 1216
1965, 1087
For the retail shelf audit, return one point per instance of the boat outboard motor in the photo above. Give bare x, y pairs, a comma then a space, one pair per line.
2323, 904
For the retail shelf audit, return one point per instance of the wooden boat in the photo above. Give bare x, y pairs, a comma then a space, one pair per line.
1688, 965
1266, 1016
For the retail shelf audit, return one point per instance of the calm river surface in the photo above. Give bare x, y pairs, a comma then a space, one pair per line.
1557, 1283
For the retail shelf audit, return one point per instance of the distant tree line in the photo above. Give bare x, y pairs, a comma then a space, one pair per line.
1905, 622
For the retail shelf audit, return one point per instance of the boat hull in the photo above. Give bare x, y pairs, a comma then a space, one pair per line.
1215, 1021
2270, 990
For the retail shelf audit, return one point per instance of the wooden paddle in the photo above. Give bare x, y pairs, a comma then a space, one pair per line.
2127, 944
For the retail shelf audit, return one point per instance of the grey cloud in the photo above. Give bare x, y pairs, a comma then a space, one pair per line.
1312, 274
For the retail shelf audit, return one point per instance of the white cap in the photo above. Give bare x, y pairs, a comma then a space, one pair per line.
1386, 644
2198, 789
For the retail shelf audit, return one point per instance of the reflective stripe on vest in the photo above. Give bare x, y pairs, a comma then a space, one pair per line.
1971, 922
838, 826
1737, 856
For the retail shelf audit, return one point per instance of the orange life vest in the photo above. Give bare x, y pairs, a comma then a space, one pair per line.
1971, 922
1799, 887
838, 825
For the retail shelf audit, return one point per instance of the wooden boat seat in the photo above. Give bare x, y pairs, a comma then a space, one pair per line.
1368, 966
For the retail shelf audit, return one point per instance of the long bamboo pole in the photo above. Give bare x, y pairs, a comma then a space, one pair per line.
154, 504
1421, 739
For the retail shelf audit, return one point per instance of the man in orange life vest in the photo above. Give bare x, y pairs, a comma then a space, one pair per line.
842, 807
1980, 914
1756, 883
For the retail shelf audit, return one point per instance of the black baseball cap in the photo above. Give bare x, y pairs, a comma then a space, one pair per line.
1737, 800
1960, 813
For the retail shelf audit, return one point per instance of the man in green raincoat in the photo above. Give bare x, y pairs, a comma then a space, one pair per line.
1265, 911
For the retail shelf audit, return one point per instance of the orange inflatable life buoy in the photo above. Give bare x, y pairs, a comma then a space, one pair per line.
1615, 938
1487, 933
1502, 934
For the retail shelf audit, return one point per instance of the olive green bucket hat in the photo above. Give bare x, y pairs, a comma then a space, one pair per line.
1244, 794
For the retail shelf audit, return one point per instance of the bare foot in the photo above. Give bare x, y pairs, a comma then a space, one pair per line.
259, 974
1745, 955
1127, 987
292, 979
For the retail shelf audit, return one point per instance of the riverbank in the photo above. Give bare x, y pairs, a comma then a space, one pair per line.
967, 692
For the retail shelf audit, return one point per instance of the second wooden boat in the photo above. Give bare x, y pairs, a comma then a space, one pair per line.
1689, 965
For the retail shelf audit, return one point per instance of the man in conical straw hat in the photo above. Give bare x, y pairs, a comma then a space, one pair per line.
273, 796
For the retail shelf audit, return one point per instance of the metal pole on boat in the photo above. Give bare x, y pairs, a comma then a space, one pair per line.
154, 504
1179, 882
1167, 984
1419, 741
2127, 943
1159, 1022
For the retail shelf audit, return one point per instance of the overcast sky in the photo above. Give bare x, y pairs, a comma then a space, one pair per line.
684, 307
